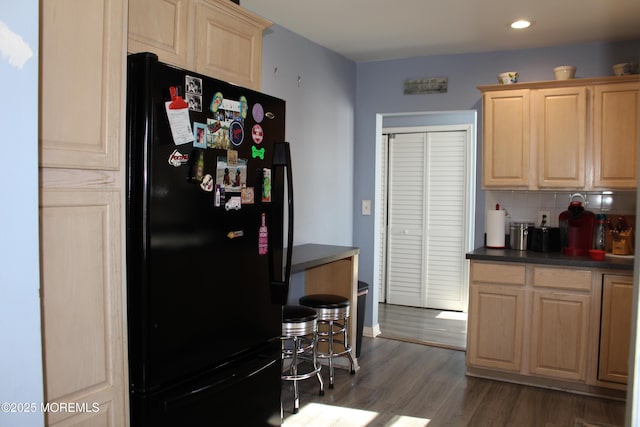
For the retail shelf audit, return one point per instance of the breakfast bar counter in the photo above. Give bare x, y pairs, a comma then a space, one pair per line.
311, 255
330, 270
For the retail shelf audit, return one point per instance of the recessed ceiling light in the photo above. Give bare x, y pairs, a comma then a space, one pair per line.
520, 24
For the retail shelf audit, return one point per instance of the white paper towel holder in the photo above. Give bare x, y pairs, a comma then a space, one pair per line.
496, 230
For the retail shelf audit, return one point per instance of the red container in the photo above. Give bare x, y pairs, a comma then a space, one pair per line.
576, 230
597, 254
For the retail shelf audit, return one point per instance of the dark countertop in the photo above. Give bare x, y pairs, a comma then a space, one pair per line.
615, 262
312, 255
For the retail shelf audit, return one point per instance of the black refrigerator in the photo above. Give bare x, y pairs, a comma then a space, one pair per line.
208, 194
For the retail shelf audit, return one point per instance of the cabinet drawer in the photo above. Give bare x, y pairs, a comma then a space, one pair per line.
562, 278
498, 273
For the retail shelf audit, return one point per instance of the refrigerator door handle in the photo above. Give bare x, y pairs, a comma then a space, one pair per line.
280, 287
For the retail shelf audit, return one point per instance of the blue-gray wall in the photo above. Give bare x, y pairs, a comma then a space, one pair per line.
319, 88
334, 160
380, 90
21, 354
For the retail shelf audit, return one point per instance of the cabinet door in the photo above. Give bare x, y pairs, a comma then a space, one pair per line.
228, 43
616, 110
559, 341
84, 343
82, 306
560, 131
506, 139
495, 326
82, 72
615, 329
165, 33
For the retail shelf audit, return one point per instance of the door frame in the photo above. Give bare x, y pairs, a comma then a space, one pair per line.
470, 190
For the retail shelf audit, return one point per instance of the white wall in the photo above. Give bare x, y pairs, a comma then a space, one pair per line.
523, 206
21, 354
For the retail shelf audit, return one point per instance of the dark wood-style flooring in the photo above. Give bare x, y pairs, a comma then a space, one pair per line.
404, 384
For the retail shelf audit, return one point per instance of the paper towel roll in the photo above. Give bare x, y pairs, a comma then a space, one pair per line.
496, 221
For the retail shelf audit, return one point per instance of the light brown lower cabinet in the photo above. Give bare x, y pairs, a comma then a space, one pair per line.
615, 330
496, 313
559, 334
496, 339
540, 325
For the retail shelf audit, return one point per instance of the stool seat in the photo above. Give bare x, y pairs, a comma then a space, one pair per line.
327, 306
324, 301
297, 313
333, 316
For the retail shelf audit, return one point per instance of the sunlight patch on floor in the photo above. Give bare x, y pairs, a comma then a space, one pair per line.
452, 315
317, 414
404, 421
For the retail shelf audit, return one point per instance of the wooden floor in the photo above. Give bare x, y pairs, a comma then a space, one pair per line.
403, 384
424, 326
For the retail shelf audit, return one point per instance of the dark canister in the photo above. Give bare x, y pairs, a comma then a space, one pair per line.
544, 239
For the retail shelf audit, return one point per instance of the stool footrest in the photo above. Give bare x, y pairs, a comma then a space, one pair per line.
302, 376
334, 354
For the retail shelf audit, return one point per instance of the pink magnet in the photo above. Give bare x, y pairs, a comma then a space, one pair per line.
257, 134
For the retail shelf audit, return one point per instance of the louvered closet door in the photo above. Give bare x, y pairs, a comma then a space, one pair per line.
405, 234
382, 214
425, 264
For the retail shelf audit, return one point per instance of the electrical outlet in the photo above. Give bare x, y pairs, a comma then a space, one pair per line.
544, 215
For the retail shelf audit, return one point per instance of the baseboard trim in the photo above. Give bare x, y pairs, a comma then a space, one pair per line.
421, 342
371, 331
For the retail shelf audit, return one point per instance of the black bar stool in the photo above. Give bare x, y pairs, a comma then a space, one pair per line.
300, 342
333, 311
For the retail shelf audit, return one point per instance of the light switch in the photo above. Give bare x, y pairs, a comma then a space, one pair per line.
366, 207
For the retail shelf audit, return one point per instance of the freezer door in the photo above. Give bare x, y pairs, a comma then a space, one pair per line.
243, 394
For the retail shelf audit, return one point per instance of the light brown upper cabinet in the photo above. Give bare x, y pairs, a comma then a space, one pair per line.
560, 136
82, 84
568, 134
616, 108
214, 37
506, 138
165, 33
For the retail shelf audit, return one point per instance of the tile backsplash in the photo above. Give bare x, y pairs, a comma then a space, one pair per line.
523, 206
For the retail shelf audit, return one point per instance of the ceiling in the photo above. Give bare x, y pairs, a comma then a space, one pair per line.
372, 30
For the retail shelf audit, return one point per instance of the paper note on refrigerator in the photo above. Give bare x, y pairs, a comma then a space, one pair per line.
180, 124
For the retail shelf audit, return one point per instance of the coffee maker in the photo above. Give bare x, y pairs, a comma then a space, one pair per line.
576, 230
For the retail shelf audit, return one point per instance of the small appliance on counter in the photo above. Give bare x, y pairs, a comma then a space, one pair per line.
519, 235
544, 239
576, 230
